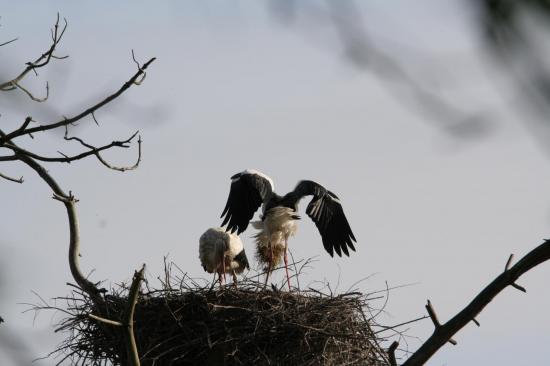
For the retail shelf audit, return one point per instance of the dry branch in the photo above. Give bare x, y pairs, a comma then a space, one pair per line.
444, 332
88, 111
41, 61
74, 236
7, 141
391, 353
128, 317
96, 150
106, 321
8, 158
16, 180
68, 159
8, 42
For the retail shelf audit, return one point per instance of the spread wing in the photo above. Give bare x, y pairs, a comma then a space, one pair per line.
327, 213
249, 189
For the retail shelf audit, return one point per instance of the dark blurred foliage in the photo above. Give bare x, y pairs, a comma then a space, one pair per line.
513, 31
499, 18
361, 50
508, 28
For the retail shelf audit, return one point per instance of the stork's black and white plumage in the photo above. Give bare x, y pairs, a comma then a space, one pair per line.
222, 252
250, 189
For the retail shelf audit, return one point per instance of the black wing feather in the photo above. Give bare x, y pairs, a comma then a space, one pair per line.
248, 191
328, 215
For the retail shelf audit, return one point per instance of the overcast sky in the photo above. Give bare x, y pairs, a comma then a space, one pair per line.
243, 85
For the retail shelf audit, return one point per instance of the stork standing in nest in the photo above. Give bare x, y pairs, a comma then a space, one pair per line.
222, 252
251, 188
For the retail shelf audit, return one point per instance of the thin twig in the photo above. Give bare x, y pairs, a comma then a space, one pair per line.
16, 180
106, 321
8, 42
30, 95
25, 123
392, 327
509, 262
70, 120
92, 151
41, 61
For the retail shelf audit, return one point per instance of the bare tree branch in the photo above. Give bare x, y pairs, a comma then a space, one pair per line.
30, 95
8, 42
69, 202
32, 159
435, 320
138, 82
16, 180
93, 151
443, 333
106, 321
391, 353
41, 61
89, 111
133, 355
74, 235
95, 120
8, 158
25, 123
96, 150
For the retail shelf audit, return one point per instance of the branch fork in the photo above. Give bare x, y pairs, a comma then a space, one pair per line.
443, 332
507, 268
435, 320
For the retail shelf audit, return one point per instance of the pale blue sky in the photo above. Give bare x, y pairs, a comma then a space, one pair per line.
234, 88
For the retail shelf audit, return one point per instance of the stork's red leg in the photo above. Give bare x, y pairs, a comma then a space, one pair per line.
286, 264
219, 272
270, 264
234, 279
219, 277
220, 267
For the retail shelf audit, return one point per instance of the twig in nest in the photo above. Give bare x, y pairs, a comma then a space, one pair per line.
187, 323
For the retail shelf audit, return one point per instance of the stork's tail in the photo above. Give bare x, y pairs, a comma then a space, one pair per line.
242, 260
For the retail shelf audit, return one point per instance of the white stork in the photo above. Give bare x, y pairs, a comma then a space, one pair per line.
251, 188
222, 252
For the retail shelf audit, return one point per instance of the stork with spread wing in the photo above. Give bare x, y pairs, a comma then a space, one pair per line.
251, 189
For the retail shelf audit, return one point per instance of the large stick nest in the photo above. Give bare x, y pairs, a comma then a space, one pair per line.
192, 324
